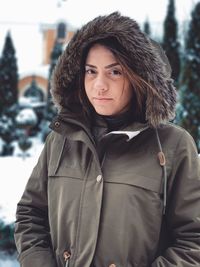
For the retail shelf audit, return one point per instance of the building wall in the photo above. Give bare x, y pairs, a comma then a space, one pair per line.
49, 33
49, 37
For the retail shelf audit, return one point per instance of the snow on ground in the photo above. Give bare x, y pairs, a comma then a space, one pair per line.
15, 172
8, 261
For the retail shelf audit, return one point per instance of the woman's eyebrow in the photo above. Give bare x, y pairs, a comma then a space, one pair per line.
89, 65
112, 65
106, 67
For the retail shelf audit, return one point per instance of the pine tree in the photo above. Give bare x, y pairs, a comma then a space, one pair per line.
170, 43
8, 96
55, 54
50, 110
8, 75
7, 242
147, 28
188, 110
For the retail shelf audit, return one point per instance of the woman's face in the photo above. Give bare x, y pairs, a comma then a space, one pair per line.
106, 85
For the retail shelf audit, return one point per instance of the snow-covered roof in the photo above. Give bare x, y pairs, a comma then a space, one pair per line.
41, 70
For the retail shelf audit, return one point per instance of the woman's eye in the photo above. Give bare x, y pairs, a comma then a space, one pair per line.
89, 71
116, 72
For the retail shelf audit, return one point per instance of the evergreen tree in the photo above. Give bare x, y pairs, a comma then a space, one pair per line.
50, 109
147, 28
8, 75
7, 242
8, 134
170, 41
55, 54
188, 110
8, 96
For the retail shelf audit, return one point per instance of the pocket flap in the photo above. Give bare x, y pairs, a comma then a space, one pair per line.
66, 172
139, 181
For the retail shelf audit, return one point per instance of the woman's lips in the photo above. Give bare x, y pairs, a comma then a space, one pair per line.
102, 99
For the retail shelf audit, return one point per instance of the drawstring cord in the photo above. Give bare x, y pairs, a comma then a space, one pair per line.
162, 161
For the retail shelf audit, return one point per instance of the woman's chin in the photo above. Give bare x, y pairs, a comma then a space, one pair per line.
103, 112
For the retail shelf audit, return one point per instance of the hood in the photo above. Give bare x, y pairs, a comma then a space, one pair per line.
147, 57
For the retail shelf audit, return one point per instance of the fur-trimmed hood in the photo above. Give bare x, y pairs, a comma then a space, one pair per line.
149, 61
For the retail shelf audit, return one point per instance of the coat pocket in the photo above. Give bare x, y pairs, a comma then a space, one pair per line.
138, 181
66, 160
66, 172
136, 191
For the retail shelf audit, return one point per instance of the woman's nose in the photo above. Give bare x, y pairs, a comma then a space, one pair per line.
100, 83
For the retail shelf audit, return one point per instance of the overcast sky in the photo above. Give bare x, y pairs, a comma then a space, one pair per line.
24, 18
80, 11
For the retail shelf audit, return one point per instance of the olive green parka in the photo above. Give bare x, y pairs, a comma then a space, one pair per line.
137, 206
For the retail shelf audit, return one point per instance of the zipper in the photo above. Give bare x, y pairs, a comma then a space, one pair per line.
66, 256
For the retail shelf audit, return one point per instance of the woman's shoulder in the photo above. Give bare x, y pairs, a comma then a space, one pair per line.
53, 137
177, 135
174, 129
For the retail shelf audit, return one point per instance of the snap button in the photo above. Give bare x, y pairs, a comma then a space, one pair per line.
57, 124
99, 178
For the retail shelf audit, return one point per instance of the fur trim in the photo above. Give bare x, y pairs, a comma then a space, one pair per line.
148, 58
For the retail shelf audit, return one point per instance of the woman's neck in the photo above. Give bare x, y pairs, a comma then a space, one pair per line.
116, 122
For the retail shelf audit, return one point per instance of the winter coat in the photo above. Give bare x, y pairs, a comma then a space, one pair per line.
136, 206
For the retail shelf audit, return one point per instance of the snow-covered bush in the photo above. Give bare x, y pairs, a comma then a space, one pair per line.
26, 118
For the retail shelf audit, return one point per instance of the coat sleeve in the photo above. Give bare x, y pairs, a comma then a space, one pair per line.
32, 235
183, 208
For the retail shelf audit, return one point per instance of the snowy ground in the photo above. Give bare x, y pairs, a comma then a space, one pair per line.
15, 172
8, 262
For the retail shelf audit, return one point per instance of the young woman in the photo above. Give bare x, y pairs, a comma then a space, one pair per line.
117, 184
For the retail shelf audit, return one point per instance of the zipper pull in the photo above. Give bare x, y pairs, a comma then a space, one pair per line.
162, 159
66, 256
